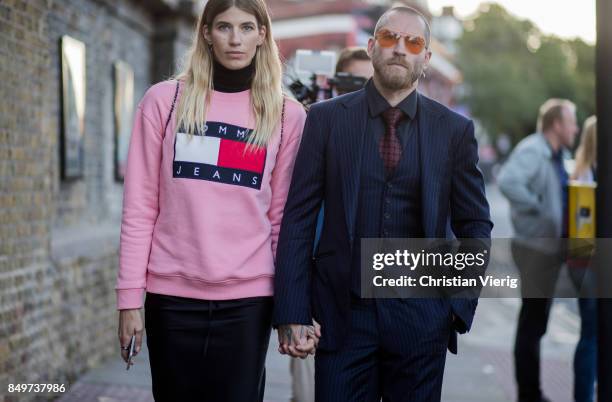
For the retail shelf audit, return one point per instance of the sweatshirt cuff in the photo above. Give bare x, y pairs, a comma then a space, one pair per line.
129, 298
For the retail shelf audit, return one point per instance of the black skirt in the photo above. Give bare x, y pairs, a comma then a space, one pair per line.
207, 350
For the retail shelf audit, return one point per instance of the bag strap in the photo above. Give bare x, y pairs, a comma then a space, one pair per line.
171, 108
282, 123
174, 103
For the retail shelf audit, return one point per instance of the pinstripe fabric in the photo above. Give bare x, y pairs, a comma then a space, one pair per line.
387, 354
351, 374
387, 206
328, 167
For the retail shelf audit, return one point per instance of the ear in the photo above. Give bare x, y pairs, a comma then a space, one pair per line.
206, 34
262, 35
371, 43
427, 59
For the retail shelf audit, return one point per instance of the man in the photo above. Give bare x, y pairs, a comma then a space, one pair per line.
355, 61
534, 180
353, 68
387, 162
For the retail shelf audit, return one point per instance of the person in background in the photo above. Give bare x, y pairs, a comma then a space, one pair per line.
357, 62
534, 181
353, 68
586, 155
585, 357
209, 165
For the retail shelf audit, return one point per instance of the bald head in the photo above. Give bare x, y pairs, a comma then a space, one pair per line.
384, 20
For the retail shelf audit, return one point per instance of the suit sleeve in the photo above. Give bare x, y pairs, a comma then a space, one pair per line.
470, 218
281, 175
297, 232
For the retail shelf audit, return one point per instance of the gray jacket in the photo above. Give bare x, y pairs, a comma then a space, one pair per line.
530, 181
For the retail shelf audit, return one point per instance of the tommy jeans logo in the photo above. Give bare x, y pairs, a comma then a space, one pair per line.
216, 152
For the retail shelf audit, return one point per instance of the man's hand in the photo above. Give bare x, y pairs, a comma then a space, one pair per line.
298, 340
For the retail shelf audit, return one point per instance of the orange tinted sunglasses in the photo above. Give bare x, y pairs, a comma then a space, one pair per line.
387, 38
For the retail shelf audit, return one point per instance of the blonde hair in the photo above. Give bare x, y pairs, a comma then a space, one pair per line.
552, 111
586, 154
266, 91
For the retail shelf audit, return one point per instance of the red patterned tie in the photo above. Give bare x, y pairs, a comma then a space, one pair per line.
390, 146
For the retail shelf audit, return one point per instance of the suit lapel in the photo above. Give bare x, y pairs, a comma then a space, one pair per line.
350, 147
433, 158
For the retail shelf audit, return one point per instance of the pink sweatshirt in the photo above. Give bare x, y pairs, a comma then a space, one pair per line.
200, 217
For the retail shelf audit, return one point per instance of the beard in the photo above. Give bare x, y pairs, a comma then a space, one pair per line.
397, 77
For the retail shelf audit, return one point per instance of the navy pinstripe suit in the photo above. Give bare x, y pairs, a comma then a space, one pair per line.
328, 168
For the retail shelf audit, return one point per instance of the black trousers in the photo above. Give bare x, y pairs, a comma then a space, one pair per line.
207, 350
539, 274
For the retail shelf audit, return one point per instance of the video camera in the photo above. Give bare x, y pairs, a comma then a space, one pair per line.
319, 67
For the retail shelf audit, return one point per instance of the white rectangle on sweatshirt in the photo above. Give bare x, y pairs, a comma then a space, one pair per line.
197, 149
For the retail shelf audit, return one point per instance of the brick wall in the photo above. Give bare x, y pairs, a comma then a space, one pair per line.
59, 239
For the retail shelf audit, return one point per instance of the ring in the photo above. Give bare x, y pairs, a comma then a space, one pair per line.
125, 348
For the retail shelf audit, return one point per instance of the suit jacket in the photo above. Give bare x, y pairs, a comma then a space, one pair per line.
327, 168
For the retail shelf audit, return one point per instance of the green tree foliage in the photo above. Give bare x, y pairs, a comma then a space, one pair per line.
510, 68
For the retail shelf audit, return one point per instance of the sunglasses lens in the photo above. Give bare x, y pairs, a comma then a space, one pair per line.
386, 39
415, 45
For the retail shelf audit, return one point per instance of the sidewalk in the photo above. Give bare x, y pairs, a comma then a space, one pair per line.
481, 372
112, 383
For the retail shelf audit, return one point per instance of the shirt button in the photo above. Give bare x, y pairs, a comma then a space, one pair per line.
389, 185
387, 216
387, 201
386, 232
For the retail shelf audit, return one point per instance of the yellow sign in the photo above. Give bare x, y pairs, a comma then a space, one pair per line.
581, 205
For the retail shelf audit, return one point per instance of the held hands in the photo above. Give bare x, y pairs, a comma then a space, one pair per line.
298, 340
130, 323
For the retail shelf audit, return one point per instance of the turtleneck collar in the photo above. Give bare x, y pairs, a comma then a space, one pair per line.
226, 80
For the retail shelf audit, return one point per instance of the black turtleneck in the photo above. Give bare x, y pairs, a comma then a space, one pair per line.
226, 80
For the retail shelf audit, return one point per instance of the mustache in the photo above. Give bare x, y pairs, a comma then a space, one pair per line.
398, 61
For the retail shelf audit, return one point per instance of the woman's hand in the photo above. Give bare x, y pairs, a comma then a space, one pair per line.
130, 323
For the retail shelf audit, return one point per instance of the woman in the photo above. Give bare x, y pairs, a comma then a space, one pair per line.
585, 358
586, 154
209, 166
